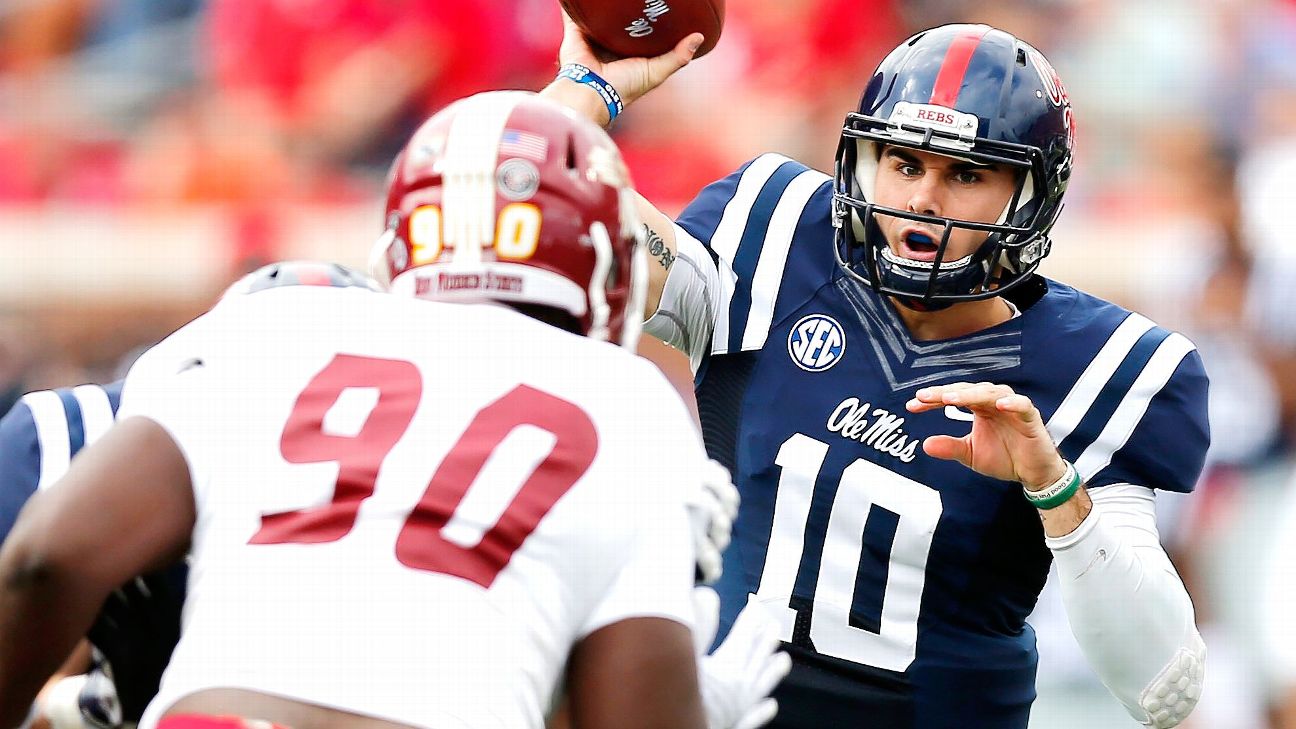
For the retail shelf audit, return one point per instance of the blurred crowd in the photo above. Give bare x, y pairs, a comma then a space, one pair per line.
1186, 156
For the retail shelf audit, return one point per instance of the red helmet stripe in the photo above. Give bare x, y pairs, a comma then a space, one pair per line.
950, 79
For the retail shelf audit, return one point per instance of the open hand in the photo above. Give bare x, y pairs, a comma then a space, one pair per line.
736, 679
1008, 440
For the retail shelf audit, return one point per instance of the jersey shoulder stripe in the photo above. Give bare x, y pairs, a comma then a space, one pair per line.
98, 408
66, 420
52, 434
1115, 390
763, 254
1160, 367
75, 423
1089, 385
1108, 401
747, 222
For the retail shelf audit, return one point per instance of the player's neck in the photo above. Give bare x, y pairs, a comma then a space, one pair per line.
956, 321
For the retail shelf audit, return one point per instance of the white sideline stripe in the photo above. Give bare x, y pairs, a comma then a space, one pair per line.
768, 277
1086, 389
1122, 423
51, 434
96, 411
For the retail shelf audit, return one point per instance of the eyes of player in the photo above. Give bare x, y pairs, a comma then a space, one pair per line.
908, 170
959, 176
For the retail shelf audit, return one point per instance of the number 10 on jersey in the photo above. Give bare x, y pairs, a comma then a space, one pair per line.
864, 610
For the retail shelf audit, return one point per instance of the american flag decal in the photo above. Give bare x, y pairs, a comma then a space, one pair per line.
514, 143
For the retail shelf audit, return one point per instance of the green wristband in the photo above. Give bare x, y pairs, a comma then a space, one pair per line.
1056, 494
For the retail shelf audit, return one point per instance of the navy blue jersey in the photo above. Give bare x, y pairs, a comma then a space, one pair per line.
41, 433
906, 577
140, 623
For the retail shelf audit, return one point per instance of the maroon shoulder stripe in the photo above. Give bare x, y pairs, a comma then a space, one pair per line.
950, 78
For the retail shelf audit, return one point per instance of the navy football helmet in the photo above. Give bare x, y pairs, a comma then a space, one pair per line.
978, 94
300, 273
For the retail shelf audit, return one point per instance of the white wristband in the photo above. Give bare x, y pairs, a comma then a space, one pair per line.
1056, 493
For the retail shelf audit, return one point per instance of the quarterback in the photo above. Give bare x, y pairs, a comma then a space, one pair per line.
917, 421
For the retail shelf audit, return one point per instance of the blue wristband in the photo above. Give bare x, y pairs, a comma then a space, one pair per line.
582, 75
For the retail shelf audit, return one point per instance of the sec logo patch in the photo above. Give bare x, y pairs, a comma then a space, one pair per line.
816, 343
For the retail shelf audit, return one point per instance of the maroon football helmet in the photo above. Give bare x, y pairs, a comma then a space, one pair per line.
506, 196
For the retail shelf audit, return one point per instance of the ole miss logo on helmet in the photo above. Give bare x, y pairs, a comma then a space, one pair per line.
816, 343
1055, 91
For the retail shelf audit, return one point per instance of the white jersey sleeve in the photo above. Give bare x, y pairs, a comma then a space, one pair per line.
656, 578
169, 384
652, 584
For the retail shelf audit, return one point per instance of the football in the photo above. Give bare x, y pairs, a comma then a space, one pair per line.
647, 28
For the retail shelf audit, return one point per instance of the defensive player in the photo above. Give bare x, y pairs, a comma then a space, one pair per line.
140, 622
403, 512
884, 372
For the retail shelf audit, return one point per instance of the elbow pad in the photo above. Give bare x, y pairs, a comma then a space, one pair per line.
1171, 696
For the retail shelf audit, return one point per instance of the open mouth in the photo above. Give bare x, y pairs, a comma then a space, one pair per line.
918, 245
917, 250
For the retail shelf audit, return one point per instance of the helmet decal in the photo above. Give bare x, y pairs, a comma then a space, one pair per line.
945, 91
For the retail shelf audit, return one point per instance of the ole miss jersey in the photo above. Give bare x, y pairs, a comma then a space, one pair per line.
41, 433
902, 581
412, 510
138, 625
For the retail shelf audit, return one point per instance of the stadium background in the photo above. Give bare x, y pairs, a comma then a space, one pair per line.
153, 150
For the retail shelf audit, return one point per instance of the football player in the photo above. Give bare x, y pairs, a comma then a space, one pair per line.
139, 624
917, 421
420, 509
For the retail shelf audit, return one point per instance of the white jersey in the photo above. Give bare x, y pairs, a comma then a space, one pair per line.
412, 510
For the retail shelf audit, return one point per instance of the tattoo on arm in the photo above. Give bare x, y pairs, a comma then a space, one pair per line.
657, 248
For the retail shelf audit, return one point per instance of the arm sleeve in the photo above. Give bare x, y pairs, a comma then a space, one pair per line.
1128, 608
686, 317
